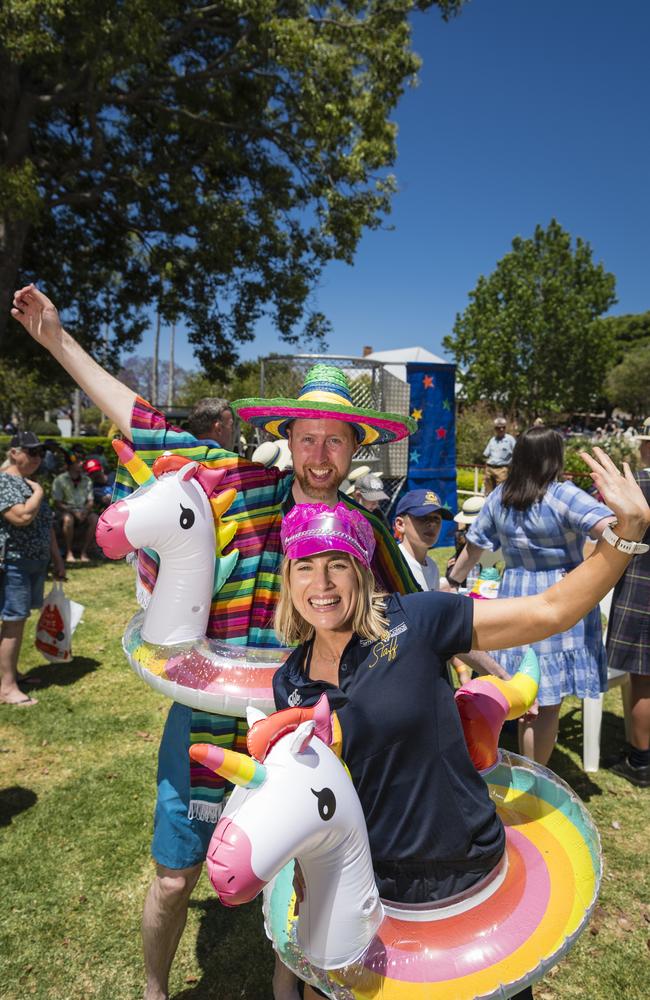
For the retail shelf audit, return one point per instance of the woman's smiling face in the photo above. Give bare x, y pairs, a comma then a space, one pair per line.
325, 590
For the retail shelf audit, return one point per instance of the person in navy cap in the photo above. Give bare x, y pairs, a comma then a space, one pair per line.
418, 520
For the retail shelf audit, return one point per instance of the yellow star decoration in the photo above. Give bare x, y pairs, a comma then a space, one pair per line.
417, 414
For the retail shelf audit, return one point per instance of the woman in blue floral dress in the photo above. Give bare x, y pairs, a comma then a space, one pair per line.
542, 524
26, 543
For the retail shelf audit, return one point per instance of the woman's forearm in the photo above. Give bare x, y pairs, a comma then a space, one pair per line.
467, 559
55, 555
482, 663
111, 396
521, 620
22, 514
518, 621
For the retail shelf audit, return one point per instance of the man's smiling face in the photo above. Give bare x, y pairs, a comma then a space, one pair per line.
322, 453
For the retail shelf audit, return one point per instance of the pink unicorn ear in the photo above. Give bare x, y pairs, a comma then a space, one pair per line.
189, 471
210, 479
323, 720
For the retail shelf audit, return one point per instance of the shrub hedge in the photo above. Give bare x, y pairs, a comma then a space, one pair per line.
89, 444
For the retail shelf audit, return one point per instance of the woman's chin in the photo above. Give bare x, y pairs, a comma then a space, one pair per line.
324, 624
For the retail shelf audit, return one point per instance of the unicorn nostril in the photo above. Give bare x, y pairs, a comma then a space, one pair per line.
231, 879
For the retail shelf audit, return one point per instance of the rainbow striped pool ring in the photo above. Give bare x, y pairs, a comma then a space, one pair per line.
488, 945
206, 674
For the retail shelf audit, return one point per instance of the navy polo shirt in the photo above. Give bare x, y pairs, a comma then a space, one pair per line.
422, 797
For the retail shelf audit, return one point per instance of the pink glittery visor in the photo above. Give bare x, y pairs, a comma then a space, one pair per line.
312, 528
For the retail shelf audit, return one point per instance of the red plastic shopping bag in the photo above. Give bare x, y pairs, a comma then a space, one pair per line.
58, 619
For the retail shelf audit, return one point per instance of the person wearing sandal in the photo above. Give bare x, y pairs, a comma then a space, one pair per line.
26, 543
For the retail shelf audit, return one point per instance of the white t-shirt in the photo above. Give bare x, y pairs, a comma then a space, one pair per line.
427, 575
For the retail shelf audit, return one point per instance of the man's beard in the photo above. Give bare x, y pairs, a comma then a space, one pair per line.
313, 490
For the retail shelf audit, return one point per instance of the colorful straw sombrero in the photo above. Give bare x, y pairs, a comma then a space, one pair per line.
325, 394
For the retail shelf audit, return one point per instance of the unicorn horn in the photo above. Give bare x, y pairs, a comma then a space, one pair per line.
236, 767
486, 702
521, 690
133, 463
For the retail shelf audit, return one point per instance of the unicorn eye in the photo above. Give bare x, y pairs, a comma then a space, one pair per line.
326, 802
187, 517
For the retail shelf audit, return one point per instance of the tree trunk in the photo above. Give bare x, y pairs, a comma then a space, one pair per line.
170, 382
13, 233
16, 110
76, 412
154, 366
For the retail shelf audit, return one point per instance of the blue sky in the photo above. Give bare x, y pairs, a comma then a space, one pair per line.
525, 110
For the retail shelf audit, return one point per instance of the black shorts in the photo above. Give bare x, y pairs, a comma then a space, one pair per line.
422, 882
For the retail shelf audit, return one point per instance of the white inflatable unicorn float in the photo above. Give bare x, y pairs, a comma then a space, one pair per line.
174, 513
295, 800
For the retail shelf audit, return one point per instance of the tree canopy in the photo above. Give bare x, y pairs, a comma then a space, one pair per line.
205, 158
27, 394
627, 332
528, 340
628, 383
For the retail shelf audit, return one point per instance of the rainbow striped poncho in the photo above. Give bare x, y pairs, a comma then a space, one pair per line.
242, 611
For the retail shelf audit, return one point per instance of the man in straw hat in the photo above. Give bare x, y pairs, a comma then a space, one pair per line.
323, 428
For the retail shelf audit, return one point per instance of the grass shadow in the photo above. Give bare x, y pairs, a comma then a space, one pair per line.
561, 762
62, 674
564, 765
94, 562
15, 800
225, 942
612, 732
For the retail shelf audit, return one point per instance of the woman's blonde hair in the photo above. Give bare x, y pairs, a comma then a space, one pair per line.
369, 621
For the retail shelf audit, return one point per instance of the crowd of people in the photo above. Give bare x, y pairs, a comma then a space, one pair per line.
361, 582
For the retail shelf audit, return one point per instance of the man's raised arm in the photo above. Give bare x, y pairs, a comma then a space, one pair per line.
39, 316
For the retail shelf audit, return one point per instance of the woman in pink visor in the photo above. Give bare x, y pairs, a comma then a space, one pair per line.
381, 661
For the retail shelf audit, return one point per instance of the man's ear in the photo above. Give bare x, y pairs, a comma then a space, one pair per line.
399, 523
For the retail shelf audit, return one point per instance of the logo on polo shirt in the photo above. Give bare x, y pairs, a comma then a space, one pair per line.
294, 698
397, 630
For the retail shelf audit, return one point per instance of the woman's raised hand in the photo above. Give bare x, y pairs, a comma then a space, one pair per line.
621, 492
37, 314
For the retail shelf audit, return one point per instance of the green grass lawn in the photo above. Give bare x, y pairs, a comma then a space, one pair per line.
77, 781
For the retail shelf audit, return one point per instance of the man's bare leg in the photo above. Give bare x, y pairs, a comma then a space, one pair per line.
163, 921
67, 528
88, 536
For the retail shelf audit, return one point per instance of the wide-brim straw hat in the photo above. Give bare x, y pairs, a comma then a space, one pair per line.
273, 453
470, 510
325, 395
361, 470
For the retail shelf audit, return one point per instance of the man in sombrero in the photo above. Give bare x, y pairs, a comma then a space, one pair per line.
324, 428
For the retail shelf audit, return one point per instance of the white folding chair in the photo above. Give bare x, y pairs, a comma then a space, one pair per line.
592, 708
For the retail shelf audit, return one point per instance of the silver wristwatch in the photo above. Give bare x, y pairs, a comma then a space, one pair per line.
623, 544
